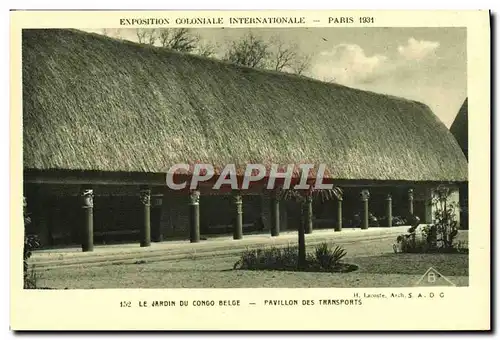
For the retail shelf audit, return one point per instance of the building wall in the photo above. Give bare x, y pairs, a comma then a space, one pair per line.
217, 214
174, 221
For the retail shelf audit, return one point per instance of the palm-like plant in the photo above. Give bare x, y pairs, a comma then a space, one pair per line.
302, 197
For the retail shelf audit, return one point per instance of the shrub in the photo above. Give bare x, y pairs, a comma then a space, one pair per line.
373, 221
462, 247
437, 237
268, 258
444, 229
410, 243
324, 258
398, 220
31, 242
357, 220
328, 258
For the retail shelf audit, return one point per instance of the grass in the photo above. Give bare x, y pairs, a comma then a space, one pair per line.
414, 264
378, 267
216, 273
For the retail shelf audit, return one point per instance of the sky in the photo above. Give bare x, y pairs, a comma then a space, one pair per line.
424, 64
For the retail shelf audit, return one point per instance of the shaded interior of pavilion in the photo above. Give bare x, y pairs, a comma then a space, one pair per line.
72, 215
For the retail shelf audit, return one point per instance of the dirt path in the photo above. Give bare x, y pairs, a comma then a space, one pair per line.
216, 272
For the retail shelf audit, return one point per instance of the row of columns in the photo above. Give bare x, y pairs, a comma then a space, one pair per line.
194, 215
88, 219
275, 214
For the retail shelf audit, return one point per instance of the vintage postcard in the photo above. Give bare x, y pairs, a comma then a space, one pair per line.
250, 170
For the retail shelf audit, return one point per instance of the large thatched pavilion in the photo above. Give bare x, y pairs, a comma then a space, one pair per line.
105, 119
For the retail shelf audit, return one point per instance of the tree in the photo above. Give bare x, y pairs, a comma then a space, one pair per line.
205, 49
179, 39
283, 55
301, 64
151, 37
111, 32
275, 54
250, 51
141, 35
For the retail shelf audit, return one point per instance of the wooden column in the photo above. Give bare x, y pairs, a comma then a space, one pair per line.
338, 227
275, 215
410, 201
194, 217
156, 235
238, 220
87, 238
309, 215
389, 210
145, 197
365, 220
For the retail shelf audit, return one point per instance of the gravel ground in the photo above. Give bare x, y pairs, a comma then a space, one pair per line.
378, 268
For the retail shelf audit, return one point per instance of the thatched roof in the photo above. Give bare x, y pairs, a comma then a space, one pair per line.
96, 103
460, 127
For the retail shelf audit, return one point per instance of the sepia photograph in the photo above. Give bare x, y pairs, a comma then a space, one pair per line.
108, 112
250, 170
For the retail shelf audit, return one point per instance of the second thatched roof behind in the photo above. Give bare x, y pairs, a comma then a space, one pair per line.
95, 103
460, 127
